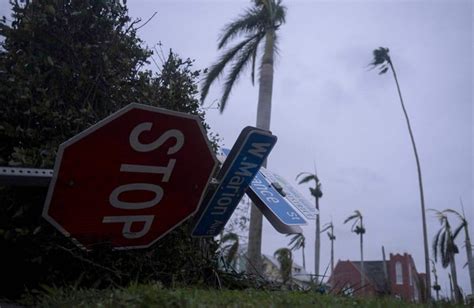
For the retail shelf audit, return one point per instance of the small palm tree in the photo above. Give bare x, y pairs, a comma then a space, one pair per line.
444, 246
298, 241
258, 25
358, 228
329, 227
285, 258
464, 226
230, 247
383, 61
317, 193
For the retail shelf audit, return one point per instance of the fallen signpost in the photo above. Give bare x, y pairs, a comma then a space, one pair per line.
271, 198
131, 178
248, 154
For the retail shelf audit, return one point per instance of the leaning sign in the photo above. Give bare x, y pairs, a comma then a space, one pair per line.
239, 169
131, 178
273, 202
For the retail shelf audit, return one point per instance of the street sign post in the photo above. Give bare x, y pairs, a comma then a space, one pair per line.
244, 161
131, 178
273, 203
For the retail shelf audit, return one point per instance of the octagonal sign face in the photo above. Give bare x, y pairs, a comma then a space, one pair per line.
131, 178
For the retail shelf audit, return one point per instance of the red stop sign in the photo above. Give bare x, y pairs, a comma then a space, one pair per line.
131, 178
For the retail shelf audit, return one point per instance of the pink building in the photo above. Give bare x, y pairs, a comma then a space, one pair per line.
396, 277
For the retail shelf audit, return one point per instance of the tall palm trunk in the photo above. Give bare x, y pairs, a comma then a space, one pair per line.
263, 121
437, 291
451, 286
362, 274
454, 275
420, 183
317, 243
470, 260
436, 283
304, 261
332, 256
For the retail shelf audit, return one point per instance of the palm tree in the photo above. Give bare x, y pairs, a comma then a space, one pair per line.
230, 247
467, 239
383, 61
317, 193
358, 228
258, 24
285, 258
444, 244
298, 241
329, 227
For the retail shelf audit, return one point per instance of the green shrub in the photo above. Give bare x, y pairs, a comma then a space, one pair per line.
65, 65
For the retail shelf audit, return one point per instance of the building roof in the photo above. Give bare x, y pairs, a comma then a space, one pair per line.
297, 271
375, 272
272, 259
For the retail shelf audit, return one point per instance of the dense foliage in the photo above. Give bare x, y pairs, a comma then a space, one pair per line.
64, 65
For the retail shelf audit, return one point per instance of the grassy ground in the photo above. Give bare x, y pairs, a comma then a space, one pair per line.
155, 296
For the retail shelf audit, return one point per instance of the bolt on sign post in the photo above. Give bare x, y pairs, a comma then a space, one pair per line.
131, 178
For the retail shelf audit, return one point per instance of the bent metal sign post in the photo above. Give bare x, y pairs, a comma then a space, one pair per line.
248, 154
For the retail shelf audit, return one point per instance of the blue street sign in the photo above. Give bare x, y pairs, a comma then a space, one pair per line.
292, 194
278, 209
263, 190
271, 202
244, 161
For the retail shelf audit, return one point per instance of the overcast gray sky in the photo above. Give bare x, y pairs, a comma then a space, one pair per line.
330, 109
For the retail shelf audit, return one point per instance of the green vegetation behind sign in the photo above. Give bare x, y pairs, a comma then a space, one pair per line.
65, 65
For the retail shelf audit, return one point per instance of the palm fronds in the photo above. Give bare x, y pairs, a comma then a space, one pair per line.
459, 229
306, 177
285, 258
237, 68
232, 248
443, 242
459, 215
297, 241
462, 218
254, 24
217, 68
250, 22
330, 228
357, 224
356, 215
326, 227
381, 60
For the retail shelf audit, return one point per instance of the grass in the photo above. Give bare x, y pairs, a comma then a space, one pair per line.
154, 295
